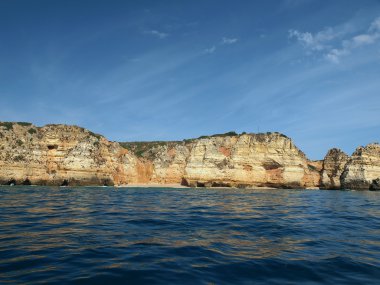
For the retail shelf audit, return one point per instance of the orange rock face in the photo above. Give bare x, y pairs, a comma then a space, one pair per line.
225, 151
249, 160
56, 153
61, 154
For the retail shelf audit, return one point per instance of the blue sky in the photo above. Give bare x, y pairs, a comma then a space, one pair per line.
169, 70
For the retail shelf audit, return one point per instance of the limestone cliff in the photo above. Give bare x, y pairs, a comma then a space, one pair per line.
333, 166
249, 160
167, 160
231, 160
61, 154
170, 163
362, 168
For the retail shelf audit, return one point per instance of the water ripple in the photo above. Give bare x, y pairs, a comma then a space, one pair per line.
188, 236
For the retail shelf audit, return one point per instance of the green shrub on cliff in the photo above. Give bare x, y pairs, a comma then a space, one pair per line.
95, 135
32, 131
19, 157
24, 124
7, 125
140, 148
228, 134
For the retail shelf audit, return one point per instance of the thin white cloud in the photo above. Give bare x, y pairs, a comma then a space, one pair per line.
228, 41
375, 26
210, 50
334, 55
318, 41
158, 34
224, 41
364, 39
335, 44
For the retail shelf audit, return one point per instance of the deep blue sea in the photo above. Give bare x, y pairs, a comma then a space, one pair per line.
188, 236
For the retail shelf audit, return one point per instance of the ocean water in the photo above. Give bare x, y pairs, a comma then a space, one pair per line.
188, 236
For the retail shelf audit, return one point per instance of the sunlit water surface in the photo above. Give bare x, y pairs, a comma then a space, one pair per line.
188, 236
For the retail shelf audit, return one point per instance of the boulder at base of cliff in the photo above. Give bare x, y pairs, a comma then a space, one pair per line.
375, 185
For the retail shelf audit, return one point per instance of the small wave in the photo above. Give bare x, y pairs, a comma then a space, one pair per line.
176, 236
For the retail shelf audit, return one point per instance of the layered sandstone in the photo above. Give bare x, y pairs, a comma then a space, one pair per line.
61, 154
362, 168
170, 163
333, 167
249, 160
167, 160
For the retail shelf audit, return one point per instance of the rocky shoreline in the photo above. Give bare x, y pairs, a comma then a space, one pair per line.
70, 155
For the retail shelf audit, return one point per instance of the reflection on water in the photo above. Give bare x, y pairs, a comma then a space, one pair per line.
187, 236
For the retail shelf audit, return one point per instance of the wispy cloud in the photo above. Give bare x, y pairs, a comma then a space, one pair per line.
334, 55
335, 43
224, 41
210, 50
348, 45
158, 34
228, 41
318, 41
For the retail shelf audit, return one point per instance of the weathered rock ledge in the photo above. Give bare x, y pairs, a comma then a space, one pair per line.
70, 155
332, 169
362, 168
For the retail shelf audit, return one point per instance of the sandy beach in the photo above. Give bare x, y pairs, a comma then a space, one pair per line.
174, 185
144, 185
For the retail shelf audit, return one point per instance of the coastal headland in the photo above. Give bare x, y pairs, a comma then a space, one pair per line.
73, 156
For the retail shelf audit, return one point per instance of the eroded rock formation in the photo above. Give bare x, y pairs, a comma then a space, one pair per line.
375, 185
70, 155
333, 166
60, 154
249, 160
362, 168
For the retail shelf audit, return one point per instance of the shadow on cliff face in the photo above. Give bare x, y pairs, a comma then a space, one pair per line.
375, 185
184, 182
12, 182
220, 184
26, 182
270, 164
51, 147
